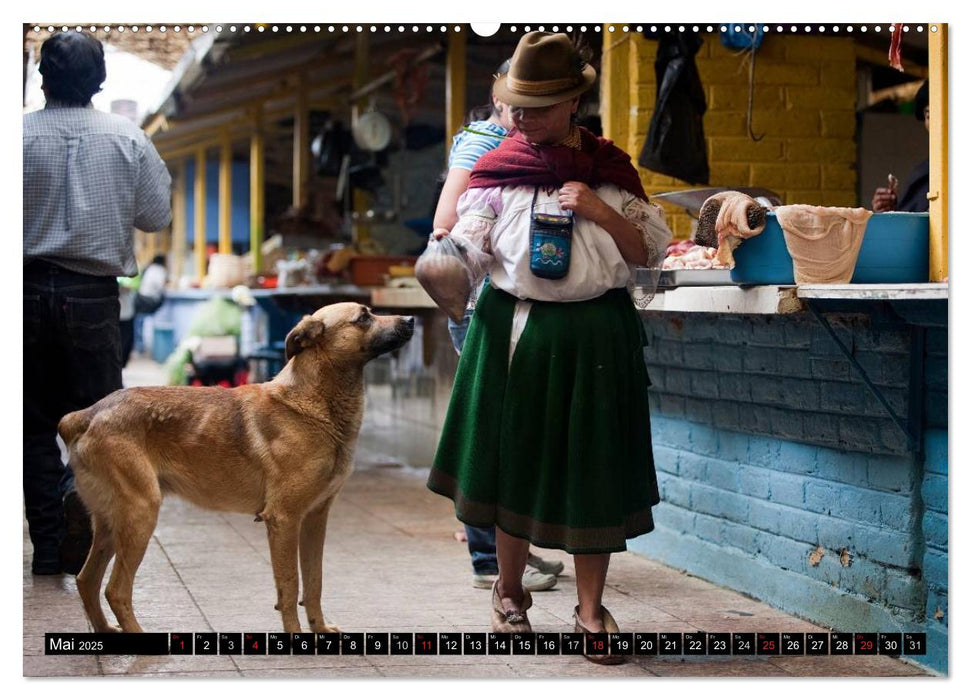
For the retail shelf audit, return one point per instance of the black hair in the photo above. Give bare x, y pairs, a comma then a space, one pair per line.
159, 259
73, 66
921, 100
483, 112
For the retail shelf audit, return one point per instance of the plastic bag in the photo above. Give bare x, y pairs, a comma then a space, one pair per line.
449, 269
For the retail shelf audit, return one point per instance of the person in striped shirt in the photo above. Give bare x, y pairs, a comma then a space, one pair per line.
487, 127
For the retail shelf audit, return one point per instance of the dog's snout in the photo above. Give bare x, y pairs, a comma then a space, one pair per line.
408, 322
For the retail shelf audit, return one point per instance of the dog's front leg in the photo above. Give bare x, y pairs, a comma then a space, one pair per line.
282, 531
312, 533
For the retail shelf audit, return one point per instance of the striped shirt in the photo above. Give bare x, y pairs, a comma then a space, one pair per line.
467, 147
89, 179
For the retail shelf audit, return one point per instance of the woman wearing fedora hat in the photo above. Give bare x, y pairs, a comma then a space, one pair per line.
547, 434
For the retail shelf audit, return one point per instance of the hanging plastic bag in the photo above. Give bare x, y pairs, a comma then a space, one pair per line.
449, 269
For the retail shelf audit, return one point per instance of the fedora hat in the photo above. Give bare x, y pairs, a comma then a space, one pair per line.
545, 69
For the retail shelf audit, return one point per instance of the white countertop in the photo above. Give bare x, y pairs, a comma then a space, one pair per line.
784, 299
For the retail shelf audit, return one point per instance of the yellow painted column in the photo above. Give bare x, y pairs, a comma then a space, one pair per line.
455, 82
225, 194
937, 190
200, 214
257, 202
301, 147
179, 229
151, 245
615, 86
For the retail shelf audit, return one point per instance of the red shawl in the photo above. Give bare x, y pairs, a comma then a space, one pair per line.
597, 162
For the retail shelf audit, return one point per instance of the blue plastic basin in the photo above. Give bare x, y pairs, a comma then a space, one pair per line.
895, 249
163, 343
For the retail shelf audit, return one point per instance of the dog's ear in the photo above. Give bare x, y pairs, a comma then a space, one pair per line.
304, 334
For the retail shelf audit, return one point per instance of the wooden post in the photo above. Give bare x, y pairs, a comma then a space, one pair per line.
226, 194
301, 146
200, 214
615, 87
455, 82
937, 190
151, 246
179, 232
257, 200
360, 231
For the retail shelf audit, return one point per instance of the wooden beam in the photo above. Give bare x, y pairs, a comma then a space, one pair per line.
905, 92
455, 78
204, 109
156, 123
226, 194
200, 214
257, 202
190, 133
868, 54
937, 191
301, 146
388, 77
179, 229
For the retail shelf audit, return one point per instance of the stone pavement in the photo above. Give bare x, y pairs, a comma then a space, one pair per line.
393, 564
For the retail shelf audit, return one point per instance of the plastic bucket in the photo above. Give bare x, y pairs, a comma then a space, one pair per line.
896, 248
764, 259
163, 342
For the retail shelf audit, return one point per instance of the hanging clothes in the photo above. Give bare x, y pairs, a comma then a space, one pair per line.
675, 143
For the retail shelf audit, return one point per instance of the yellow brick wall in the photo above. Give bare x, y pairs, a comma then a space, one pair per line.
804, 104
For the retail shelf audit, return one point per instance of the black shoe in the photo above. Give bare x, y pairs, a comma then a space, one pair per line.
46, 562
77, 535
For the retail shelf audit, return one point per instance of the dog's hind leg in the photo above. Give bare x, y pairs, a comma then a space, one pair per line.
90, 578
282, 530
312, 533
131, 537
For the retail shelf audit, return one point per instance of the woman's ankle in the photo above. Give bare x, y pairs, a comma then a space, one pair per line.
515, 592
593, 622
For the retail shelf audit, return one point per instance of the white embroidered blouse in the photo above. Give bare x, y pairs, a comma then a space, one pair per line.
498, 218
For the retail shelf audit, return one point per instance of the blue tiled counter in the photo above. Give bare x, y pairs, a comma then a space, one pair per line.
782, 475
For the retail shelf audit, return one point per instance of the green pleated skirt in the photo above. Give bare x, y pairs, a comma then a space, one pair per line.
554, 447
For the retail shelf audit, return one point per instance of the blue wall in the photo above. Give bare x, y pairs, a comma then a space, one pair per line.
240, 201
781, 477
934, 496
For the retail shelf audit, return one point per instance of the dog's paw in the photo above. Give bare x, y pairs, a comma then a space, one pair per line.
330, 629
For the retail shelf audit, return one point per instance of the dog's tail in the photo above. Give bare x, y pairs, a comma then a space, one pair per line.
73, 425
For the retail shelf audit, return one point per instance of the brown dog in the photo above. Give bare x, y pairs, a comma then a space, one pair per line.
282, 450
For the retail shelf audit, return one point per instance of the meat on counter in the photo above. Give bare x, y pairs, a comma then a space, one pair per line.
687, 255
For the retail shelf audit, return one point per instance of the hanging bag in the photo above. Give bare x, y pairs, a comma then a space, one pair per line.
550, 238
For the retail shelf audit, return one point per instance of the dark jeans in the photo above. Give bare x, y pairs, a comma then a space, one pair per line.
127, 329
482, 540
72, 359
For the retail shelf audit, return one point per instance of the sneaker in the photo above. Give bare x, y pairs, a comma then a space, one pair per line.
483, 580
547, 567
77, 535
533, 580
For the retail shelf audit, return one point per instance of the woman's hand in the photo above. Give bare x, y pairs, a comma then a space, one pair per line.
580, 199
439, 233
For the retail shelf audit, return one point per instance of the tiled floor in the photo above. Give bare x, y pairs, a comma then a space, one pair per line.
392, 564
